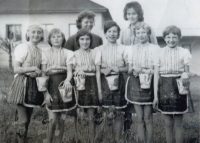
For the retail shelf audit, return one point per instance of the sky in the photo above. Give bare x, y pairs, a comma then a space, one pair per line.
160, 14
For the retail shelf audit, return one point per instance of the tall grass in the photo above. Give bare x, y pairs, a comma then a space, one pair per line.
37, 128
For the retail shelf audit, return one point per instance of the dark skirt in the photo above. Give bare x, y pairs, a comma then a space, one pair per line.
169, 99
57, 105
113, 97
136, 95
89, 97
32, 96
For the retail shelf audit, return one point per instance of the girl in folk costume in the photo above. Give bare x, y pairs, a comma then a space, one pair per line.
140, 60
133, 13
87, 67
113, 65
172, 64
58, 67
24, 92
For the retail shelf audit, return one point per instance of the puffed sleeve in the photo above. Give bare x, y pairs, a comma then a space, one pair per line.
187, 57
44, 56
97, 60
152, 37
21, 52
70, 57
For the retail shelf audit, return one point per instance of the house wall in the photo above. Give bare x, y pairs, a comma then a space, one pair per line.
61, 21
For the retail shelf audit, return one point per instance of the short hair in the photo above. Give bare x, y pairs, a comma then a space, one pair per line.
84, 14
83, 32
143, 26
56, 31
172, 29
108, 24
30, 28
138, 9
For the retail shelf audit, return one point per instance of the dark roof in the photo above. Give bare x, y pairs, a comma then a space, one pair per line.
49, 6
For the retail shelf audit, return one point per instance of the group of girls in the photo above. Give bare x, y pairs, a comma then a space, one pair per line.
83, 55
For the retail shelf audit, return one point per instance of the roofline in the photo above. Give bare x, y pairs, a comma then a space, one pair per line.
52, 11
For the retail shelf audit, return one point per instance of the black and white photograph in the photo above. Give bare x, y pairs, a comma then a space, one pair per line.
99, 71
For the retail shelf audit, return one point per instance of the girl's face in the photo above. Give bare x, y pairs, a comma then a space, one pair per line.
132, 16
56, 40
112, 34
84, 42
87, 23
172, 40
35, 35
142, 35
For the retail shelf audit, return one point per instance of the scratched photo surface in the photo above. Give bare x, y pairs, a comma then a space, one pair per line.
17, 16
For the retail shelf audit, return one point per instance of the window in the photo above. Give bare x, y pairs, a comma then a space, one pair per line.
14, 34
47, 28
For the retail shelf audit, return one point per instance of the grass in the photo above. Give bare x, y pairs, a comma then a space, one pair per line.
37, 128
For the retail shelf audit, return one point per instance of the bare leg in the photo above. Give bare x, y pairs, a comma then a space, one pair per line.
140, 122
24, 116
118, 126
148, 118
61, 127
178, 125
52, 126
90, 112
169, 122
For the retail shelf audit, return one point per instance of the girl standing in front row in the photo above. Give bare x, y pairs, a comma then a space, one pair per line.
113, 63
172, 62
58, 67
28, 59
87, 65
140, 62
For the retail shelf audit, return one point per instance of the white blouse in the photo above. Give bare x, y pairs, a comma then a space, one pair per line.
172, 60
112, 55
142, 55
59, 57
86, 60
28, 55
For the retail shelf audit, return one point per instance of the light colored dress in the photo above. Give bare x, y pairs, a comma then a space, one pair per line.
171, 62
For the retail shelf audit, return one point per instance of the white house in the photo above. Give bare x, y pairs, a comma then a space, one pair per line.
17, 15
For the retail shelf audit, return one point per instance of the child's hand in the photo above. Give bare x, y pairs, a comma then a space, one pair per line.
67, 85
48, 99
38, 71
155, 103
115, 69
106, 71
137, 69
32, 74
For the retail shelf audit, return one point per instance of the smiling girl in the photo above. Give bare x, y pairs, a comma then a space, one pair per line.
87, 64
58, 66
24, 92
140, 61
113, 63
172, 62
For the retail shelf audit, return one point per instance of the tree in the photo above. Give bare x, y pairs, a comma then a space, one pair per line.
6, 45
